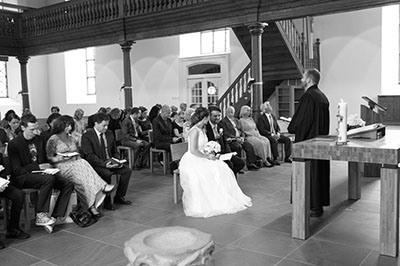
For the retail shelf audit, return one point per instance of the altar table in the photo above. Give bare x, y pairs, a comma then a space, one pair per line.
384, 151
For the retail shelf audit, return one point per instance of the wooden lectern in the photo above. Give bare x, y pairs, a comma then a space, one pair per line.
370, 116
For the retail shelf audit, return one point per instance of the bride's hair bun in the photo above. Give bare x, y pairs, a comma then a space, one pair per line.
199, 114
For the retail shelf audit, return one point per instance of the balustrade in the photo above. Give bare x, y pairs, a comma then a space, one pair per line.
236, 90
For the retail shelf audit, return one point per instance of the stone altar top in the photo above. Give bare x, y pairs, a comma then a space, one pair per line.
385, 150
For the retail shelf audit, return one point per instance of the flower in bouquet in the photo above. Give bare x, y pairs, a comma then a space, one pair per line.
212, 147
354, 121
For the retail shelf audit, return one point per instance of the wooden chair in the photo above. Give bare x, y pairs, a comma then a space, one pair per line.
177, 151
127, 152
153, 150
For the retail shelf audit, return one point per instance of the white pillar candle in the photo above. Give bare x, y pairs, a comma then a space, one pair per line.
342, 122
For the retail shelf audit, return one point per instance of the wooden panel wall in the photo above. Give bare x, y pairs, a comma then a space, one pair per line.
392, 115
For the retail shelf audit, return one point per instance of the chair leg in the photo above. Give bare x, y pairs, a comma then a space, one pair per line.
176, 188
130, 157
26, 212
151, 161
165, 155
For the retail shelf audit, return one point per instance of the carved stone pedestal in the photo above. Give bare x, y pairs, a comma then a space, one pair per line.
170, 246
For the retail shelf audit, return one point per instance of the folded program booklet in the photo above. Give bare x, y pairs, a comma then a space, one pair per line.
118, 161
227, 156
68, 154
4, 182
49, 171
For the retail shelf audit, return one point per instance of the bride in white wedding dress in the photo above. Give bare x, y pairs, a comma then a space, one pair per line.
209, 185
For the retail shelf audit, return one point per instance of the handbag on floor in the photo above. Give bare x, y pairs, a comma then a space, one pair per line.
82, 217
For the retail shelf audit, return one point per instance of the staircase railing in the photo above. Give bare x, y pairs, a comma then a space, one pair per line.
238, 88
299, 46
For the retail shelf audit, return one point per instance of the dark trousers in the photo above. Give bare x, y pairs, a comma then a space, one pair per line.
141, 152
248, 149
274, 146
236, 164
124, 173
45, 184
288, 145
17, 200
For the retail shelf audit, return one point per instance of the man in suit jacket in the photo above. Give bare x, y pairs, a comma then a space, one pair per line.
98, 147
27, 153
130, 130
16, 196
234, 139
163, 134
214, 133
269, 128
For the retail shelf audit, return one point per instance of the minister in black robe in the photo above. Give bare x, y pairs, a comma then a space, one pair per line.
310, 120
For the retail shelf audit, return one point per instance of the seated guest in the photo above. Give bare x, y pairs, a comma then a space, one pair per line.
178, 124
235, 140
173, 116
144, 123
91, 117
79, 127
260, 143
163, 135
98, 146
269, 128
90, 188
183, 107
130, 130
4, 121
27, 153
174, 109
55, 109
16, 197
187, 125
115, 120
13, 126
50, 121
214, 133
154, 112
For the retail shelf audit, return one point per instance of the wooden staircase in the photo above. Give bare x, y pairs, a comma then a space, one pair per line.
284, 57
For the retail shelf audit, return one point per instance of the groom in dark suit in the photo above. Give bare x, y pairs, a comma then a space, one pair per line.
269, 128
98, 146
214, 133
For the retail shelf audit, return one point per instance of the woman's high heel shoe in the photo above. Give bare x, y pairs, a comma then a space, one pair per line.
93, 210
108, 189
267, 164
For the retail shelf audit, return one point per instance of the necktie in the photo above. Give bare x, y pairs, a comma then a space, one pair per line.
271, 124
103, 147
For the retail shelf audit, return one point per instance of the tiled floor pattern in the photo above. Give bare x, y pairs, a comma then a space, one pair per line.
347, 233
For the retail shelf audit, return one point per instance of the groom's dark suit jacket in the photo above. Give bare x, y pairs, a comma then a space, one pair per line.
236, 163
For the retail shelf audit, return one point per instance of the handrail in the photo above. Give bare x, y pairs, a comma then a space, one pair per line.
69, 15
292, 35
236, 90
8, 24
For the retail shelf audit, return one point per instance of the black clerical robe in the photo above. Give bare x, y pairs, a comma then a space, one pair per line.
311, 119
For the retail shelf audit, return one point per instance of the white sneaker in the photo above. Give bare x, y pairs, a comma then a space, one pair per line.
43, 220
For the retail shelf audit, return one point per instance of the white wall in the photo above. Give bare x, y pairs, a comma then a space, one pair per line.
350, 58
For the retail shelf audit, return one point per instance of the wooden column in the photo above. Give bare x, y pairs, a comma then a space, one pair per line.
354, 181
256, 31
301, 199
389, 216
23, 61
126, 49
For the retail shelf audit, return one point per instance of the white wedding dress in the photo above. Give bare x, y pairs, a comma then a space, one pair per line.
209, 187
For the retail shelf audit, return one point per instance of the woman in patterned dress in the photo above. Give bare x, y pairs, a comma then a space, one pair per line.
91, 189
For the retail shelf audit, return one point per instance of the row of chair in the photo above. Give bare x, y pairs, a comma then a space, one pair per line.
127, 152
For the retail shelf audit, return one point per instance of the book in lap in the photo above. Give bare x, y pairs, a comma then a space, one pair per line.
68, 154
49, 171
117, 161
4, 182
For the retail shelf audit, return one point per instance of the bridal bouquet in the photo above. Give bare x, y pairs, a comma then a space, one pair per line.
212, 147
